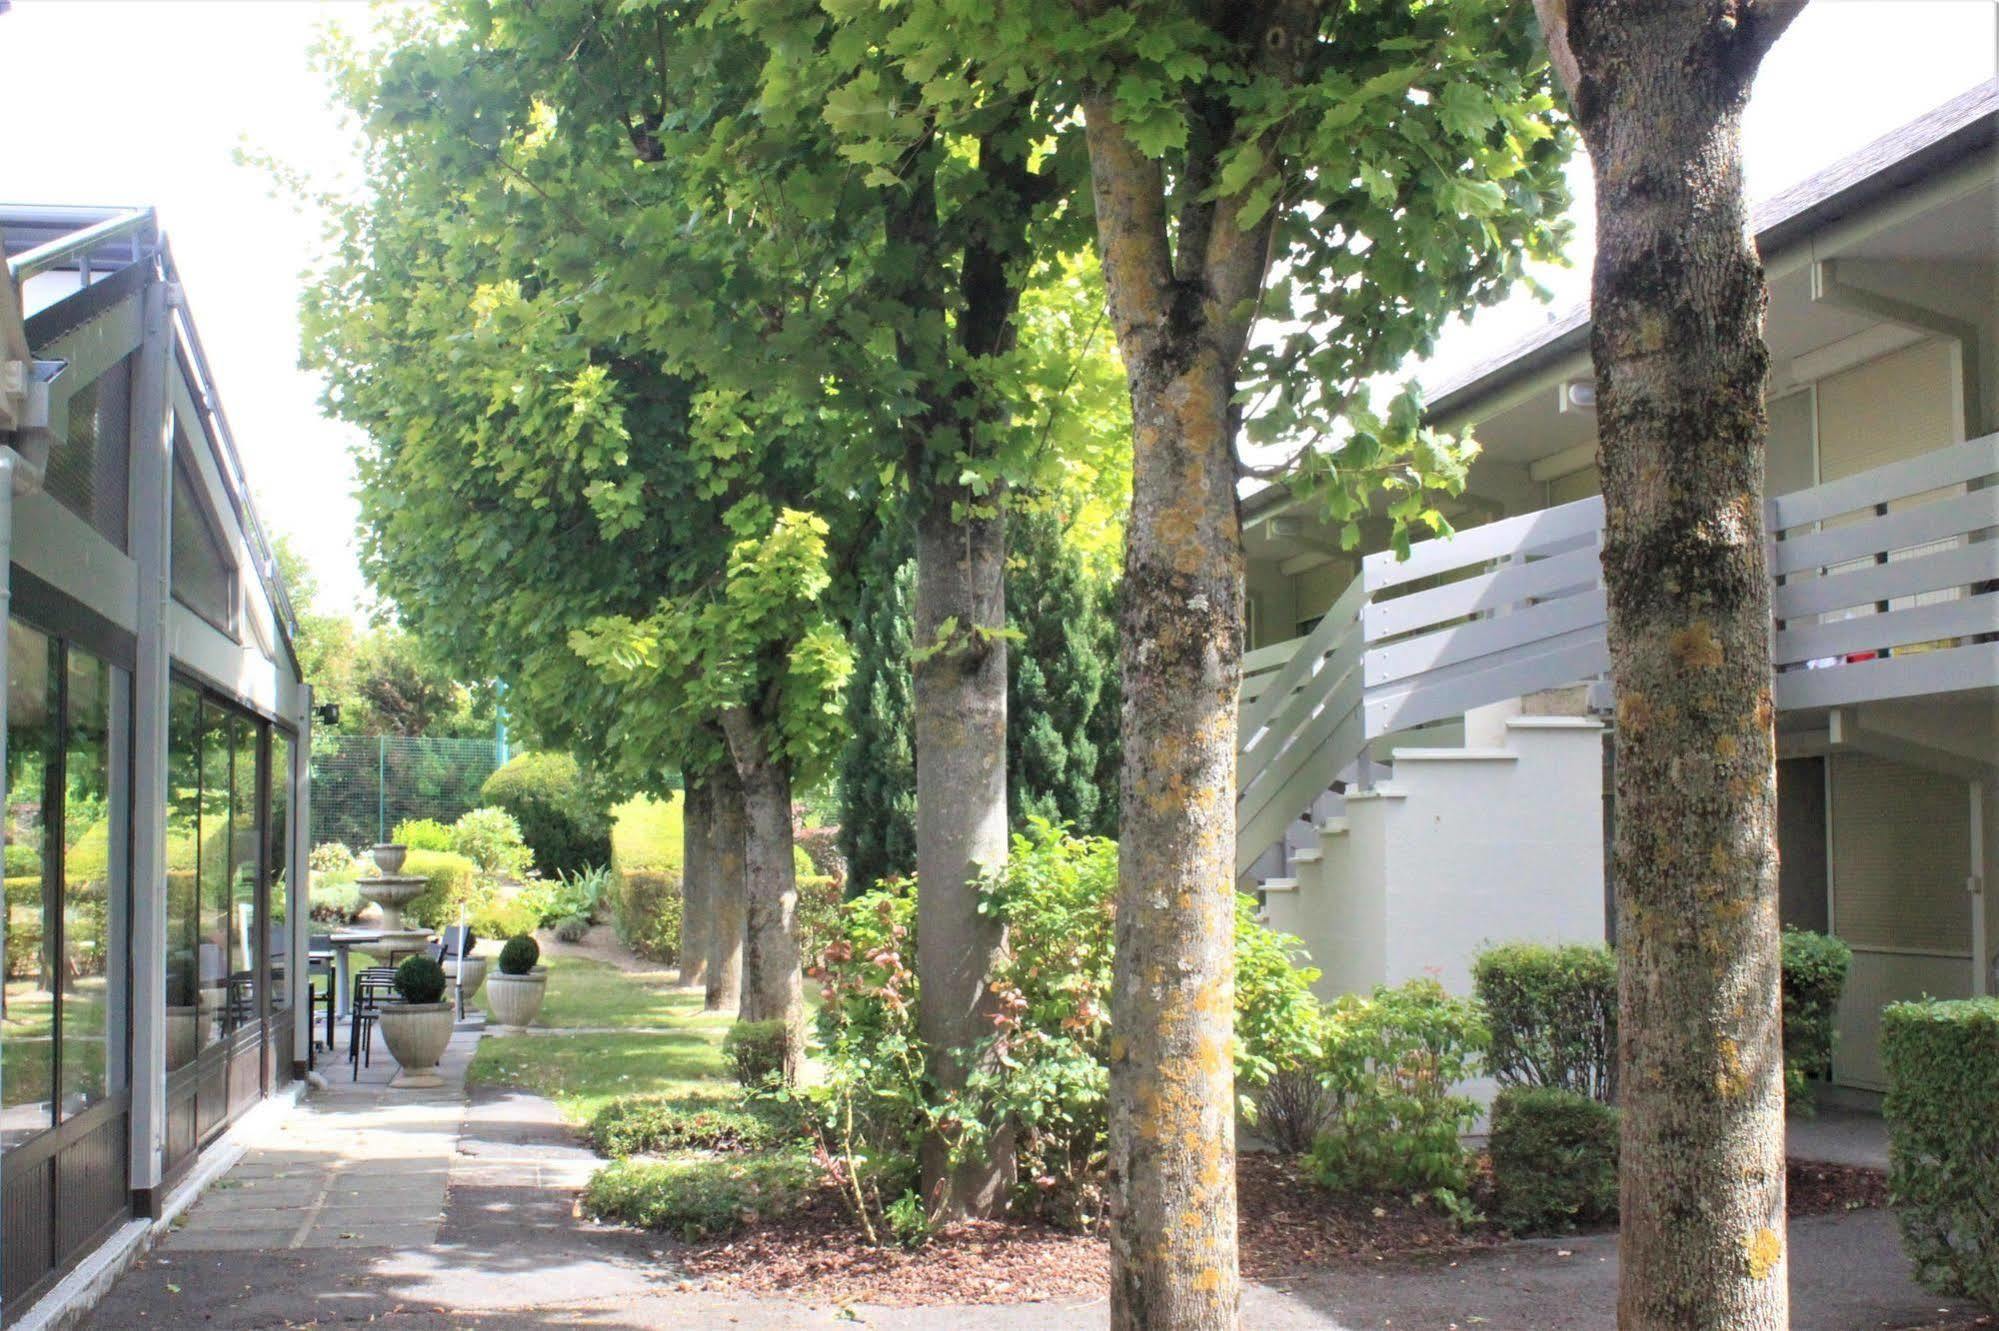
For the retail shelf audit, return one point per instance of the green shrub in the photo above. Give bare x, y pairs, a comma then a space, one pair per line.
23, 861
571, 928
1392, 1061
1553, 1015
701, 1198
657, 1124
451, 883
1815, 967
1943, 1141
24, 926
491, 839
644, 892
498, 912
422, 834
755, 1050
562, 817
331, 861
420, 980
519, 955
1554, 1159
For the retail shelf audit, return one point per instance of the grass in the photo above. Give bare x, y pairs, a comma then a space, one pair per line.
680, 1054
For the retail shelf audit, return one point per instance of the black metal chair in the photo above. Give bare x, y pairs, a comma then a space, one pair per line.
372, 988
316, 968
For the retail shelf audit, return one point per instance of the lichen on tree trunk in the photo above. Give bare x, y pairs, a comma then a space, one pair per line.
728, 833
1678, 301
697, 884
772, 987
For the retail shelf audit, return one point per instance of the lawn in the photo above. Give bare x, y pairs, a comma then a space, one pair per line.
678, 1051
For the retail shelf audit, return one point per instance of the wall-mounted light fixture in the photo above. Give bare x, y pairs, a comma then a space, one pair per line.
1578, 395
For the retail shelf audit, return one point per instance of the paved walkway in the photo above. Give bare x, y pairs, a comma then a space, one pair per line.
434, 1211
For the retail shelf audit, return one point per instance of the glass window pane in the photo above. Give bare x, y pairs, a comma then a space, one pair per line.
212, 951
277, 852
204, 580
246, 857
95, 761
185, 1018
27, 1044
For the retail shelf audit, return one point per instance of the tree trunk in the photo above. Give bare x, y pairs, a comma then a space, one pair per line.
697, 878
772, 986
960, 695
1680, 364
1172, 1077
728, 831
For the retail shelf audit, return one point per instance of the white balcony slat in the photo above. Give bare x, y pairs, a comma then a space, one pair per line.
1961, 618
1530, 533
1917, 524
1553, 663
1916, 674
1326, 637
1314, 773
1976, 562
1952, 465
1572, 571
1495, 638
1260, 740
1260, 779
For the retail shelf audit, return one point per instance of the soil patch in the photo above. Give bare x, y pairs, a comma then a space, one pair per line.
1287, 1223
1812, 1188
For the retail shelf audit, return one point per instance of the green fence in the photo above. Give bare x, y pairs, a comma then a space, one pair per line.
363, 785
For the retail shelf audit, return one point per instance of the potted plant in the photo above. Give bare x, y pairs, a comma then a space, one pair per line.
513, 997
419, 1027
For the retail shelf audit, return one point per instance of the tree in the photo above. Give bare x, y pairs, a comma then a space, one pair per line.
877, 785
1677, 303
1390, 165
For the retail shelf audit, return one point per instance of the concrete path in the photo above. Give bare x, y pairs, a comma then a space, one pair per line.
432, 1211
1837, 1136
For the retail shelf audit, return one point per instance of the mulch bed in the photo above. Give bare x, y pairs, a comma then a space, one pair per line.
1288, 1224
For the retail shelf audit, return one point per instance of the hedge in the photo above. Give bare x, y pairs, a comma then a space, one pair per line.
452, 884
1554, 1159
1553, 1013
1815, 967
1943, 1141
645, 876
562, 818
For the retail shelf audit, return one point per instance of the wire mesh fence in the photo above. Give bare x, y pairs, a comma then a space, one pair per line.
363, 785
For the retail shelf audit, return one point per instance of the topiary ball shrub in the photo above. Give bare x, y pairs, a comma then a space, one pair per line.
563, 818
1554, 1160
1815, 967
519, 955
420, 980
1943, 1141
656, 1124
755, 1050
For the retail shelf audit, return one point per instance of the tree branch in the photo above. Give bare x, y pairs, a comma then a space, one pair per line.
1129, 191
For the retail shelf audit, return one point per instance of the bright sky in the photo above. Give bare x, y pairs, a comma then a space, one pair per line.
146, 101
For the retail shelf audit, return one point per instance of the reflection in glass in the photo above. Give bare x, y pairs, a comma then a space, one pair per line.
94, 799
212, 950
245, 857
277, 843
184, 1016
27, 1044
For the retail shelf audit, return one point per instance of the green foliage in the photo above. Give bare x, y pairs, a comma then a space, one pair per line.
22, 861
755, 1050
571, 928
644, 896
1553, 1013
563, 818
701, 1198
420, 980
1062, 681
1943, 1137
422, 834
499, 912
519, 955
1815, 967
1554, 1159
491, 839
658, 1124
877, 778
1392, 1061
452, 882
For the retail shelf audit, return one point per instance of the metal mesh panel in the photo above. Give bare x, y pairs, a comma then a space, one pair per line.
363, 785
87, 471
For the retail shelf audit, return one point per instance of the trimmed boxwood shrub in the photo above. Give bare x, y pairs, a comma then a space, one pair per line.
420, 980
563, 819
755, 1050
657, 1124
1553, 1012
1943, 1141
1554, 1160
519, 955
1815, 967
701, 1198
644, 895
452, 883
421, 834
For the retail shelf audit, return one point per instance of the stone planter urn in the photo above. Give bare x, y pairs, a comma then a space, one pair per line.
475, 975
389, 857
417, 1034
514, 1001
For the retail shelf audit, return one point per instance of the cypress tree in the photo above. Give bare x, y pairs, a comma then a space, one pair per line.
877, 780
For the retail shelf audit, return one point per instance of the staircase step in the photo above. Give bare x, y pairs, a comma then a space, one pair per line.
1309, 855
1280, 885
1333, 827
